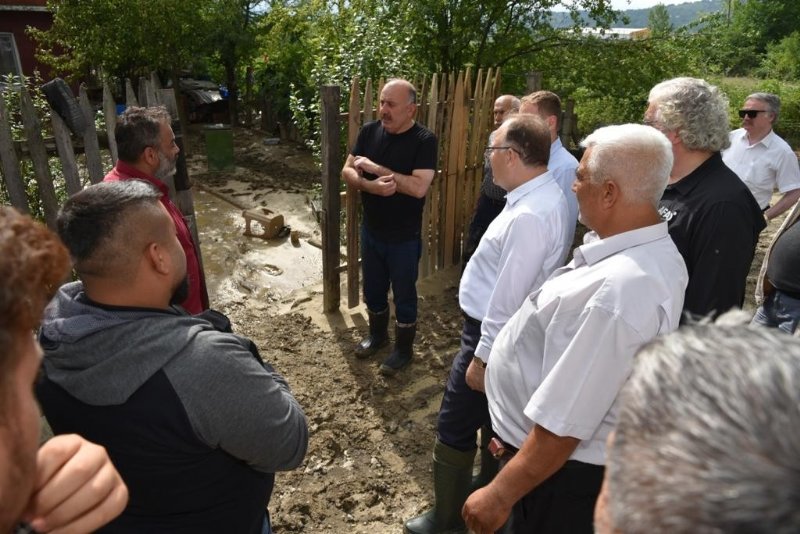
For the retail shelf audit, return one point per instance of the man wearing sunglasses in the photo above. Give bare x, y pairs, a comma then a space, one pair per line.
764, 161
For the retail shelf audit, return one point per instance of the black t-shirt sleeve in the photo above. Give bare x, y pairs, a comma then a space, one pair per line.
719, 259
426, 155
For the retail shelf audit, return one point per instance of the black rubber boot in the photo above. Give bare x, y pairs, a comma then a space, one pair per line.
402, 352
489, 464
378, 334
452, 472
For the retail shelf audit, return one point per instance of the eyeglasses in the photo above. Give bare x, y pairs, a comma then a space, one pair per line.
488, 151
751, 113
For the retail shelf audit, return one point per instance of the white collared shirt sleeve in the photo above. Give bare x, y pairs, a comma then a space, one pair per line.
577, 394
525, 263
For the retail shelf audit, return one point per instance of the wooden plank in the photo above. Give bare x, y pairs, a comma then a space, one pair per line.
66, 154
453, 163
369, 108
94, 164
9, 163
145, 93
38, 153
422, 101
351, 205
130, 96
432, 211
445, 98
461, 167
331, 171
110, 116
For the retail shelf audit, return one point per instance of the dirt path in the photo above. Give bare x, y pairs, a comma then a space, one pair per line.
368, 465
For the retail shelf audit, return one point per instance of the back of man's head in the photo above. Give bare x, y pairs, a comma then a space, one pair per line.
695, 109
529, 136
708, 438
104, 225
638, 158
138, 128
33, 262
547, 104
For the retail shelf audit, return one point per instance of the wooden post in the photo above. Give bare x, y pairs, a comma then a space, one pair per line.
90, 144
130, 96
9, 163
146, 97
351, 202
66, 153
110, 114
568, 123
38, 153
331, 166
533, 81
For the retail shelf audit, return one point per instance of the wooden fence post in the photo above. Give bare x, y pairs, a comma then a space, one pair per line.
38, 153
110, 112
91, 145
331, 166
10, 163
351, 202
130, 96
66, 153
568, 123
533, 82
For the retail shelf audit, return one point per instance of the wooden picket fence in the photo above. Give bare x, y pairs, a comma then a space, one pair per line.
67, 145
457, 108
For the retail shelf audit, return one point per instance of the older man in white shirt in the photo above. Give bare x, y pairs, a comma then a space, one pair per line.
558, 364
761, 159
519, 250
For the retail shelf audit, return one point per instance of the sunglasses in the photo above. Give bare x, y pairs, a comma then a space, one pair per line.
751, 113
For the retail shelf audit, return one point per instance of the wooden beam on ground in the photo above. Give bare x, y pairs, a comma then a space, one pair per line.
331, 169
41, 166
9, 163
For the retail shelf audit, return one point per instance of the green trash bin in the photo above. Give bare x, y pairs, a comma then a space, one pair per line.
219, 147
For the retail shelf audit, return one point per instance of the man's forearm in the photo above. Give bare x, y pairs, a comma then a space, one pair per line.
353, 178
788, 200
411, 184
542, 454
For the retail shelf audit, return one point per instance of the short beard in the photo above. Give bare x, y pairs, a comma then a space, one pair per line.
166, 166
181, 292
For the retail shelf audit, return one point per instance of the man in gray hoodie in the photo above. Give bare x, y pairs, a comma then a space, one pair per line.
194, 420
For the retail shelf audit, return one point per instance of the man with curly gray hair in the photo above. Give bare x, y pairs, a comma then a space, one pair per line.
712, 216
706, 439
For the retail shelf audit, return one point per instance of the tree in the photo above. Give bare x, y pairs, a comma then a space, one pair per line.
658, 21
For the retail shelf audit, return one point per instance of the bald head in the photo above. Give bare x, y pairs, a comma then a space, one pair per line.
398, 105
504, 107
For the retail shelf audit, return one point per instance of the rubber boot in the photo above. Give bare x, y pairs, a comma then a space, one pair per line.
378, 334
489, 464
402, 352
452, 472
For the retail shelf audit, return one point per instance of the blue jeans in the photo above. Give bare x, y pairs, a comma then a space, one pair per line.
396, 264
463, 411
267, 528
780, 311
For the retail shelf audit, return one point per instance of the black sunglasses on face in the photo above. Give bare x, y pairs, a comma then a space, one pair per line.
751, 113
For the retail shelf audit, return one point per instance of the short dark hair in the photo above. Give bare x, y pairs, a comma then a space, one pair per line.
138, 128
33, 262
530, 136
90, 217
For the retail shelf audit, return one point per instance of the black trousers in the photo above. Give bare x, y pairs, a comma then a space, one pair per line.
562, 504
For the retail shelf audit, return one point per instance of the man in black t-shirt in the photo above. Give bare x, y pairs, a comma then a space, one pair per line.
712, 216
778, 287
392, 164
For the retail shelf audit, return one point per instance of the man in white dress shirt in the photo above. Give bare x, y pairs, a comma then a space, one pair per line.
763, 160
557, 365
518, 251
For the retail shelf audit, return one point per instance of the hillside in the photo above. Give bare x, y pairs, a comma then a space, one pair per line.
679, 14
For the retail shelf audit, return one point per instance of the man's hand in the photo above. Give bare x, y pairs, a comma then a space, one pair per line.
384, 186
363, 164
475, 375
77, 488
484, 512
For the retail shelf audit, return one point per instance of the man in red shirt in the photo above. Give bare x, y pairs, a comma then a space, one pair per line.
147, 151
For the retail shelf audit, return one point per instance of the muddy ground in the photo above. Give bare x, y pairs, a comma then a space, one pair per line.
368, 464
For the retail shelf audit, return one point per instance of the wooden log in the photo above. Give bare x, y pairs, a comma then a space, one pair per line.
9, 163
331, 170
91, 147
110, 116
66, 153
351, 206
41, 166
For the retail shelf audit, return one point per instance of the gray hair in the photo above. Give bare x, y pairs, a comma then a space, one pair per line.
772, 101
639, 158
696, 110
708, 438
138, 128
